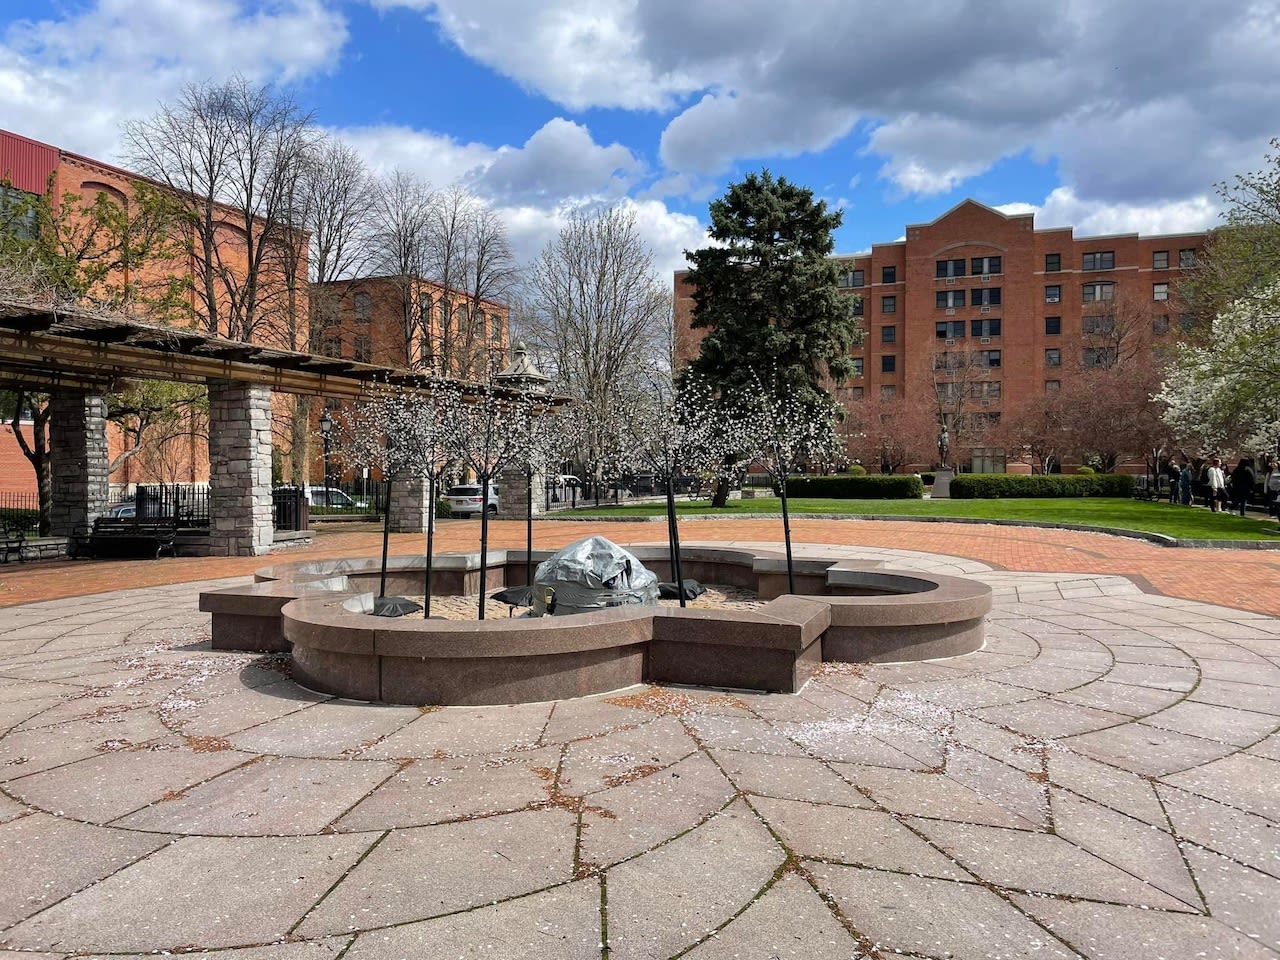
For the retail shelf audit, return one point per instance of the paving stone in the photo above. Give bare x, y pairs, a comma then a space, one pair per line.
789, 922
1244, 781
962, 694
1117, 789
1269, 748
460, 731
1123, 698
101, 788
668, 899
1047, 717
1105, 932
423, 872
1040, 862
930, 795
589, 717
1224, 724
433, 791
934, 918
743, 733
1017, 750
634, 817
563, 923
215, 892
330, 729
1132, 845
878, 738
48, 858
306, 795
1146, 750
326, 949
865, 838
1260, 671
794, 778
597, 763
29, 751
13, 713
1242, 898
1158, 656
1012, 788
1246, 696
221, 716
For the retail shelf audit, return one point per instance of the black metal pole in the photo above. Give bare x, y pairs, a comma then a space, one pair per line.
431, 532
786, 536
484, 541
528, 536
673, 533
386, 540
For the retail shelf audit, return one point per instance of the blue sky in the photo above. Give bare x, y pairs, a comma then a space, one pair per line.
1110, 115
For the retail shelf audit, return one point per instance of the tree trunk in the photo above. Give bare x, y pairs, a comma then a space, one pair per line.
300, 430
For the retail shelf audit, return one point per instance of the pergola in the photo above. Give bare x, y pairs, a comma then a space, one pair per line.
77, 356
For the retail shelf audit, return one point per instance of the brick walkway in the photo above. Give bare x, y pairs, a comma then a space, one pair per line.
1249, 579
1100, 782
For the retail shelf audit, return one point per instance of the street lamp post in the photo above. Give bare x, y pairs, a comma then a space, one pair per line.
326, 428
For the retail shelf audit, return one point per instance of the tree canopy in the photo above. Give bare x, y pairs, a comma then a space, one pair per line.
766, 292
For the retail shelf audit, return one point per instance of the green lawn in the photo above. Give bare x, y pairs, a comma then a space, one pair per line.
1192, 523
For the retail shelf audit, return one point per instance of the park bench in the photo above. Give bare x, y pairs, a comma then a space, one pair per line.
130, 538
15, 544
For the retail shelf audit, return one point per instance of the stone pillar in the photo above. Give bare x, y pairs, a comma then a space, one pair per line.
240, 514
77, 459
410, 509
942, 478
513, 493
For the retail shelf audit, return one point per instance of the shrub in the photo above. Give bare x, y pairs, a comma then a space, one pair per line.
854, 487
443, 511
927, 479
1085, 471
857, 470
1000, 486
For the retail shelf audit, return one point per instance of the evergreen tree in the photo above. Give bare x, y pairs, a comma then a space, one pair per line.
767, 294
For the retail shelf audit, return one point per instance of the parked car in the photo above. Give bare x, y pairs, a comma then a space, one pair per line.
464, 500
122, 511
330, 497
564, 487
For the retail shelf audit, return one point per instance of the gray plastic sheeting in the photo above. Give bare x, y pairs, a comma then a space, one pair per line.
593, 574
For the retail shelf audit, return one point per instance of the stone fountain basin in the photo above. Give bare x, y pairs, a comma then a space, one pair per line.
843, 610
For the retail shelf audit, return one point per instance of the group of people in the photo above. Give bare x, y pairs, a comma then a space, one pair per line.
1229, 489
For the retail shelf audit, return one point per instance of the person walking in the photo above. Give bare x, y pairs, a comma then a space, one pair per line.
1184, 483
1242, 482
1216, 484
1271, 489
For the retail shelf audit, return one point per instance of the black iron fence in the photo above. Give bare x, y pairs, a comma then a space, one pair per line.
20, 511
187, 506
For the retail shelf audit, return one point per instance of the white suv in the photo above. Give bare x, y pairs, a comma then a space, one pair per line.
464, 500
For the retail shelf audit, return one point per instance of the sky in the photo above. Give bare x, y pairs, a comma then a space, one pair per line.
1108, 115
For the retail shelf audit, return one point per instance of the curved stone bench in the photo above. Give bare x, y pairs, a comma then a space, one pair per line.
853, 611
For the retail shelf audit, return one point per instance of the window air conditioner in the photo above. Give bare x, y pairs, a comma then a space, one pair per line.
986, 403
985, 340
949, 343
985, 310
1050, 299
951, 311
986, 278
951, 281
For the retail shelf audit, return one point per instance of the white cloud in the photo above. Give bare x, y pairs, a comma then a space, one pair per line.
560, 160
73, 81
1063, 208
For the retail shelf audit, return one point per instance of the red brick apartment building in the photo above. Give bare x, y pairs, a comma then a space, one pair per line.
1032, 305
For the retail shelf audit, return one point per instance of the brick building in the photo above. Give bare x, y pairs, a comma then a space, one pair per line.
1024, 307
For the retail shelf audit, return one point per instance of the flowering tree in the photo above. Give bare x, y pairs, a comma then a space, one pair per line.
782, 434
1221, 395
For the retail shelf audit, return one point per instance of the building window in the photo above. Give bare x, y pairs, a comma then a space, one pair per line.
1187, 257
855, 306
888, 334
948, 360
855, 393
888, 304
1053, 358
950, 268
984, 265
888, 363
1160, 260
987, 358
1095, 292
1052, 262
363, 348
888, 274
364, 307
1159, 291
1052, 386
888, 391
985, 390
985, 297
495, 329
1052, 326
986, 327
1052, 293
1106, 260
949, 330
426, 311
988, 459
1105, 324
857, 366
1160, 324
1098, 356
1187, 322
949, 299
331, 345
